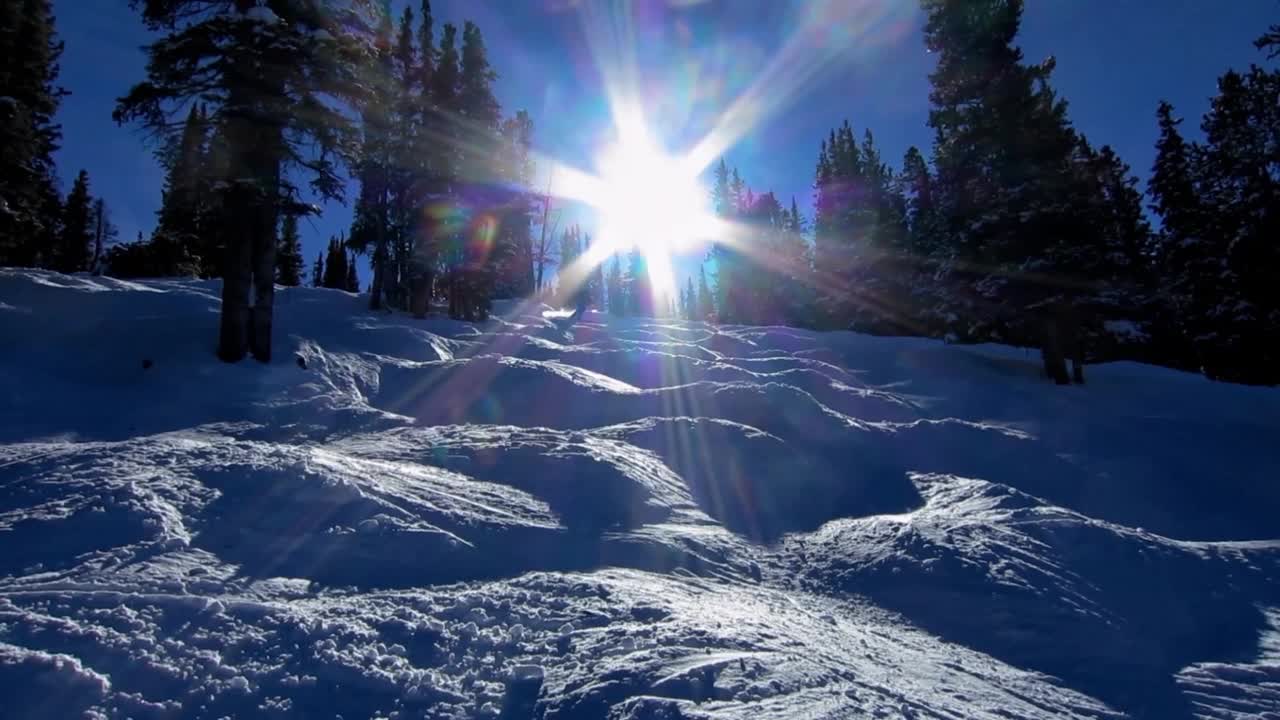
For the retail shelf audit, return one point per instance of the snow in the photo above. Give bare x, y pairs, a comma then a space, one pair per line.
262, 14
632, 519
1125, 330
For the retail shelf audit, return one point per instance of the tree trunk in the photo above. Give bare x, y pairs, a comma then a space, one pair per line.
99, 230
420, 302
233, 336
264, 287
420, 291
379, 268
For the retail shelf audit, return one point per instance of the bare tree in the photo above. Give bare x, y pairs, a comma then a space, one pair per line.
545, 253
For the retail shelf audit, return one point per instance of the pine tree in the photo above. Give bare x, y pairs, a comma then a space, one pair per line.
640, 301
1007, 171
726, 197
922, 219
180, 236
1192, 268
104, 232
1270, 42
372, 227
29, 133
794, 291
335, 265
617, 290
256, 66
289, 253
706, 301
514, 241
1217, 249
75, 246
689, 301
353, 281
477, 140
450, 239
317, 271
427, 174
597, 284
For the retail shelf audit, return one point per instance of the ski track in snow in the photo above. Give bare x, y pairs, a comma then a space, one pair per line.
630, 519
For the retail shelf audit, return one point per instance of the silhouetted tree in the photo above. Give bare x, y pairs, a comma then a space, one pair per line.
276, 79
29, 134
289, 253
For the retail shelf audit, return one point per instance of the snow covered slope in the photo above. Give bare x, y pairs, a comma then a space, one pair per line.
635, 519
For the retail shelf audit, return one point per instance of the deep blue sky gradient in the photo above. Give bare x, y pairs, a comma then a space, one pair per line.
1116, 59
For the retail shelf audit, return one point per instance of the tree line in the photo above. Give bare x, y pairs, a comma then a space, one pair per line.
250, 101
1019, 229
1013, 227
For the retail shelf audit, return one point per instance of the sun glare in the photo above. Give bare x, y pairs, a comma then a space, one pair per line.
651, 201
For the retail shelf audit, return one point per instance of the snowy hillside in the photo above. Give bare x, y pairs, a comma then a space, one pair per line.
639, 519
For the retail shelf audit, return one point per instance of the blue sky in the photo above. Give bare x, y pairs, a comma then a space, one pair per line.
863, 60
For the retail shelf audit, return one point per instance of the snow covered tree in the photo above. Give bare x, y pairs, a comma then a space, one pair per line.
276, 79
75, 245
29, 133
289, 253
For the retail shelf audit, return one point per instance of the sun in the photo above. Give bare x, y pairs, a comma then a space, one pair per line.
651, 201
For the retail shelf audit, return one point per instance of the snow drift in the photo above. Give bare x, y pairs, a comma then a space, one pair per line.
631, 519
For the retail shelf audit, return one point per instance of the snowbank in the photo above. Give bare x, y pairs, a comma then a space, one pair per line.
631, 519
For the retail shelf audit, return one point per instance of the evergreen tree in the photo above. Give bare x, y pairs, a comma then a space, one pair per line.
353, 281
275, 78
29, 134
335, 265
861, 239
104, 232
706, 301
289, 253
1216, 251
373, 228
598, 284
617, 289
75, 246
477, 139
639, 291
427, 175
1270, 42
1007, 172
1191, 267
514, 241
689, 301
726, 194
922, 220
180, 235
317, 271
